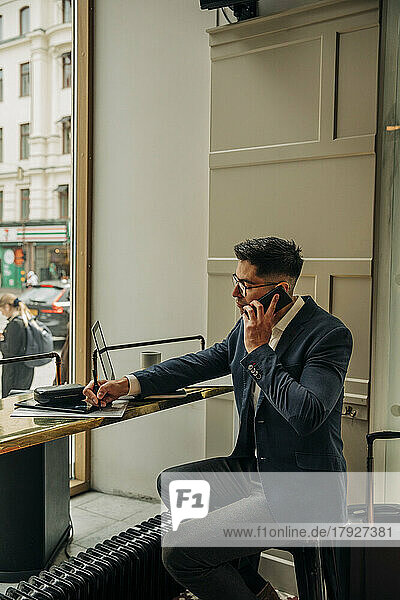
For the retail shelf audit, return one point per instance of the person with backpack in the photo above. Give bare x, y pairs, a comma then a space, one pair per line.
19, 375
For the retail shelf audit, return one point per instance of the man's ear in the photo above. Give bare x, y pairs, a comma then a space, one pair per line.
286, 286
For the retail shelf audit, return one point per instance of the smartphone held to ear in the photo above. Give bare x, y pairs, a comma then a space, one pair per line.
284, 298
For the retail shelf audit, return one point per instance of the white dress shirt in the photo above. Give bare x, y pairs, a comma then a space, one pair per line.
134, 385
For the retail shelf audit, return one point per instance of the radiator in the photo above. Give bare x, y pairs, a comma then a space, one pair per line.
126, 566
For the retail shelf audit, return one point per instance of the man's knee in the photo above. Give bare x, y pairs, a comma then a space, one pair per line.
173, 559
163, 483
159, 483
165, 477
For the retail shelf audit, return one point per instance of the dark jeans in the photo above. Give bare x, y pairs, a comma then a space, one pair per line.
213, 573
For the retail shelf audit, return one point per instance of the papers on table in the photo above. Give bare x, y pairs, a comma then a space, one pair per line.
114, 410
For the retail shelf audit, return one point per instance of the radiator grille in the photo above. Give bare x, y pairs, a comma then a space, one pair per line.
126, 566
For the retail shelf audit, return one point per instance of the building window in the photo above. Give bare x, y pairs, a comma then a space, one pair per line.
24, 80
24, 205
67, 70
24, 141
63, 201
66, 124
24, 20
67, 13
1, 85
1, 205
1, 144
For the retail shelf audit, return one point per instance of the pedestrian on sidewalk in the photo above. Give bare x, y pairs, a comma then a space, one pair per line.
13, 343
32, 279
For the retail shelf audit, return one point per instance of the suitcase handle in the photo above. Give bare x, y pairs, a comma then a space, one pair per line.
378, 435
382, 435
371, 437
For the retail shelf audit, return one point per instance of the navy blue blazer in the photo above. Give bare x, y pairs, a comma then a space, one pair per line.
297, 425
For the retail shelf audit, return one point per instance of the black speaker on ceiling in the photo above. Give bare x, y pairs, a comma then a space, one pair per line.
242, 9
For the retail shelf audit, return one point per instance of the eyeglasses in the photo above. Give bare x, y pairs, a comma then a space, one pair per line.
243, 287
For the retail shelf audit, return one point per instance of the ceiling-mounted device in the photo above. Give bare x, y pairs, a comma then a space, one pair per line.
242, 9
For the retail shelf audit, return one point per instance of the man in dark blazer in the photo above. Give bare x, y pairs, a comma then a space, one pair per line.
288, 369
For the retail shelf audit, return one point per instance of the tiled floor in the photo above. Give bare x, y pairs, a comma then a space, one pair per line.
96, 517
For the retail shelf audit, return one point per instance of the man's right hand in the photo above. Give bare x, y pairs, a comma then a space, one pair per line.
107, 392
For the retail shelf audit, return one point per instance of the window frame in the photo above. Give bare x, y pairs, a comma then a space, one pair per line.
23, 201
24, 10
63, 198
22, 137
66, 135
69, 11
22, 79
81, 219
66, 77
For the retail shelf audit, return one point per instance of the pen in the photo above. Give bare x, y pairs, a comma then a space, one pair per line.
96, 384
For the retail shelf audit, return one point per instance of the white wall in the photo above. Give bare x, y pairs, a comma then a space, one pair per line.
151, 141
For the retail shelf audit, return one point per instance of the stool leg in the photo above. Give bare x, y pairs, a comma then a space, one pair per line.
336, 571
308, 569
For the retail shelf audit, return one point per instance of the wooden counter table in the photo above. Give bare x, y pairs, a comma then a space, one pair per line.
18, 433
34, 478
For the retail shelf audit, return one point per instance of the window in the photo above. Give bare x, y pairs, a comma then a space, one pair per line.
67, 13
66, 138
1, 85
24, 80
24, 141
1, 144
63, 201
1, 205
24, 205
24, 20
67, 71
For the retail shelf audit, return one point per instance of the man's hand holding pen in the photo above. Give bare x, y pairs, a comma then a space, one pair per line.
108, 391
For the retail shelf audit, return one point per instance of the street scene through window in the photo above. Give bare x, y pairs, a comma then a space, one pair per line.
35, 182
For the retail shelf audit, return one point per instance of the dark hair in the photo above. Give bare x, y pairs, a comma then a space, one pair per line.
272, 256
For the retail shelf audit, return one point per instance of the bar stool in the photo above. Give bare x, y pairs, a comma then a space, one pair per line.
321, 572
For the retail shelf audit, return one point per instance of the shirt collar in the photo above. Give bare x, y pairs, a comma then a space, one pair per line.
291, 313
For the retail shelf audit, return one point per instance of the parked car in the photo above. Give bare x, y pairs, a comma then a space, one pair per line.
49, 301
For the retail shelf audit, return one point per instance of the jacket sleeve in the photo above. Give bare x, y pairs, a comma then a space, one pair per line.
306, 403
186, 370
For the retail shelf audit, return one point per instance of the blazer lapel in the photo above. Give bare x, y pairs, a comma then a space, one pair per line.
292, 332
296, 326
289, 335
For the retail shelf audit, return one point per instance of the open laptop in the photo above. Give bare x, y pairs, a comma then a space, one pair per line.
104, 358
106, 363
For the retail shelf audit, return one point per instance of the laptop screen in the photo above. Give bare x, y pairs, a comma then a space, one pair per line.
105, 359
